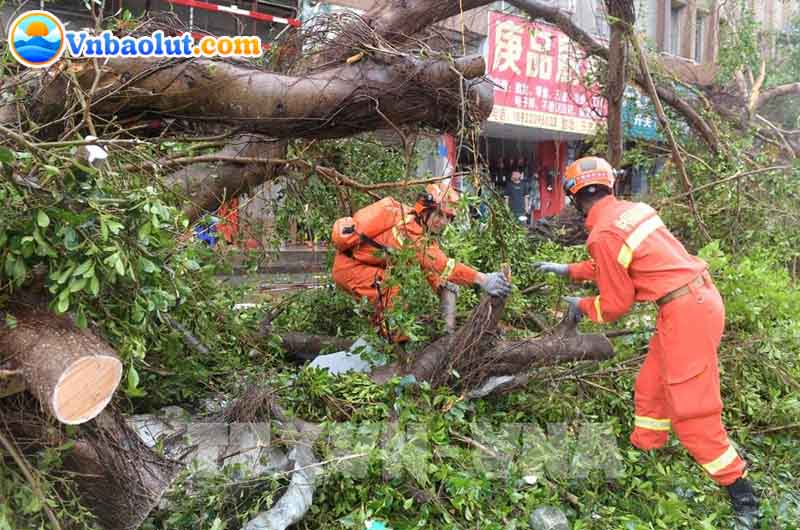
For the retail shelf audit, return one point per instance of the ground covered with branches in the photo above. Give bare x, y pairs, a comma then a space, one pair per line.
461, 466
113, 249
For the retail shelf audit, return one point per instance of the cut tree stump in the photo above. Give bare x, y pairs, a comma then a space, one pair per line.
71, 371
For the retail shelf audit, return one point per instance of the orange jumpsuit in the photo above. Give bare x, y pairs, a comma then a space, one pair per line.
362, 270
636, 259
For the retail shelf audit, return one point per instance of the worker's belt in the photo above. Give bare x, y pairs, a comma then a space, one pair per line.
681, 291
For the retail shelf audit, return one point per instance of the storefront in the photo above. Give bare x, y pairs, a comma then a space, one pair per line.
541, 110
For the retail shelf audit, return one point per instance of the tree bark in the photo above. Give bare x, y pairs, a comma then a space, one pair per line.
118, 478
72, 372
206, 185
306, 347
11, 382
622, 17
339, 102
476, 353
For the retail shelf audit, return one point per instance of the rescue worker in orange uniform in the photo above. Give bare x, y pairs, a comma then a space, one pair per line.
635, 258
362, 270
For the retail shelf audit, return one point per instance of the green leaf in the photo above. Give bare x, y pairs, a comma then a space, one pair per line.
114, 226
42, 219
45, 249
147, 266
133, 378
62, 279
77, 285
6, 155
20, 270
63, 302
145, 230
51, 170
83, 268
120, 267
94, 286
80, 320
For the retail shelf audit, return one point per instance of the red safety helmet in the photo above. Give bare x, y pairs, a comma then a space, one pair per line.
441, 196
591, 170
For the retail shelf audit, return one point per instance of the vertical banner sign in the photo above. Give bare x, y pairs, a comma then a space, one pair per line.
537, 78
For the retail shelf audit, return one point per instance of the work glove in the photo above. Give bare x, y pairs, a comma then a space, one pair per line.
495, 284
574, 314
560, 269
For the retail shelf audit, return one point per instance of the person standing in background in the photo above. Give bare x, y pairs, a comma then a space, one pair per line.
518, 197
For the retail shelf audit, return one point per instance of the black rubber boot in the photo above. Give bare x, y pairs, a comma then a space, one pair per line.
745, 504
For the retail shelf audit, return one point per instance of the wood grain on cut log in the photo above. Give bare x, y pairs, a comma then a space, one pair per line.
72, 372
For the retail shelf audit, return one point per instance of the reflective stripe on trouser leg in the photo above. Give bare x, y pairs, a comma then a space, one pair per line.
707, 442
651, 423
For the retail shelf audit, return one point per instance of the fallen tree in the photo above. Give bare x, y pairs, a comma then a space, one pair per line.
371, 74
117, 476
477, 353
72, 372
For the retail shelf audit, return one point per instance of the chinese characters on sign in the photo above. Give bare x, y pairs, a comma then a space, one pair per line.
639, 116
536, 78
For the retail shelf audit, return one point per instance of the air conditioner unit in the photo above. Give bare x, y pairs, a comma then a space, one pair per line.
568, 6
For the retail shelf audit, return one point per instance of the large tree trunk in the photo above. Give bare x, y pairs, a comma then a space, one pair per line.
206, 185
116, 476
122, 480
621, 16
72, 372
345, 100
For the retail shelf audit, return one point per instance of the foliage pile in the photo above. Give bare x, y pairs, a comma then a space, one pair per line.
110, 248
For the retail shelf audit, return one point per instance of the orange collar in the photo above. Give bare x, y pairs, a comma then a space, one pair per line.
597, 211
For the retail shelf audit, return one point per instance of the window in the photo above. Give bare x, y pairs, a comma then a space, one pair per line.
601, 22
700, 37
675, 29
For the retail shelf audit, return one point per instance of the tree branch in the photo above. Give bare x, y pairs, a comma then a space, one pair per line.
594, 48
662, 118
791, 89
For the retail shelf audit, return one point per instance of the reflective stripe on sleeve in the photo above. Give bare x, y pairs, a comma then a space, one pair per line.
398, 236
633, 216
652, 424
448, 270
639, 234
725, 459
598, 310
625, 256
